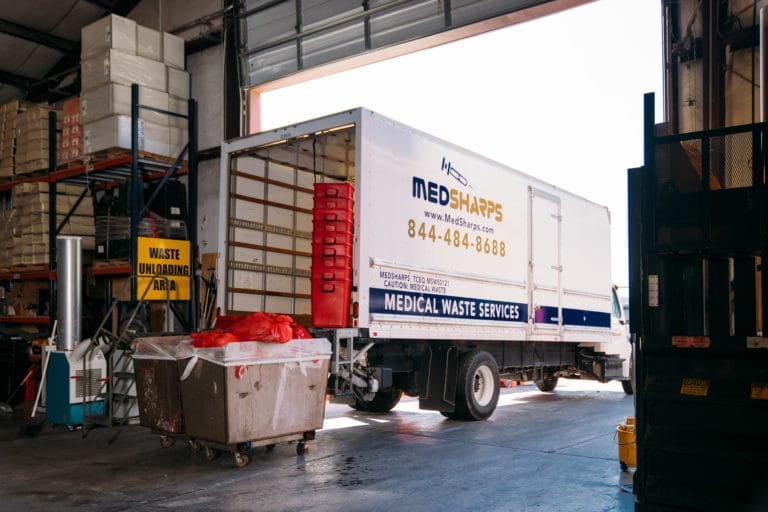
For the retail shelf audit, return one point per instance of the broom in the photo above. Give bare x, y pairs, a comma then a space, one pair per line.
6, 407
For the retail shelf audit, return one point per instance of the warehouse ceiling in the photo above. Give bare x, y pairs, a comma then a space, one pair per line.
41, 45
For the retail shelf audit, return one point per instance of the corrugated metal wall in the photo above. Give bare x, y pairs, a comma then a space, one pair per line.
282, 37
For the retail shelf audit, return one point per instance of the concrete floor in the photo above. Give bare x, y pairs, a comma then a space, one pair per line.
538, 452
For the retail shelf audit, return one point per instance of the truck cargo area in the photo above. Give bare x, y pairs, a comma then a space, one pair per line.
431, 269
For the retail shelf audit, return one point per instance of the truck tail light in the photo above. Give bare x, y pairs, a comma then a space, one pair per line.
355, 310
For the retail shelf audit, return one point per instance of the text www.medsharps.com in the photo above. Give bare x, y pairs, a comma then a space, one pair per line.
459, 221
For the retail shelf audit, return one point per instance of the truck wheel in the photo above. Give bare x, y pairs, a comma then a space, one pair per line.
548, 383
384, 401
478, 386
629, 384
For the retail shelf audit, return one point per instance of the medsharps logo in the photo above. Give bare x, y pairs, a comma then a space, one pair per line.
453, 198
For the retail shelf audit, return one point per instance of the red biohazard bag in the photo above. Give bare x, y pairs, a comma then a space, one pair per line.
263, 327
300, 332
254, 327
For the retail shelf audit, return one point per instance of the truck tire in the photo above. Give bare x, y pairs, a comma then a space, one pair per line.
384, 401
547, 384
629, 384
478, 386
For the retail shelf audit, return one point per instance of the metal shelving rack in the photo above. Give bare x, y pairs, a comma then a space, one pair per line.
135, 168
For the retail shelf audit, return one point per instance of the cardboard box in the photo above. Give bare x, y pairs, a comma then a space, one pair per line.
178, 83
32, 152
31, 166
115, 131
149, 43
115, 99
173, 51
124, 69
71, 106
39, 189
15, 106
109, 33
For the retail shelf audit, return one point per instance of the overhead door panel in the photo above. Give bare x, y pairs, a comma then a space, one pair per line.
279, 38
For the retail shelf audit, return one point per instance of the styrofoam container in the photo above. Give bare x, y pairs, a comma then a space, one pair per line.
178, 83
173, 50
115, 99
109, 33
115, 131
179, 106
178, 138
124, 69
149, 43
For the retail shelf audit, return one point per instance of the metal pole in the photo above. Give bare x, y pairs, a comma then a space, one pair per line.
192, 214
69, 311
134, 187
51, 215
763, 64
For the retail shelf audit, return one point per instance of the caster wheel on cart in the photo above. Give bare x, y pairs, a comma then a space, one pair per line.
210, 453
193, 446
166, 441
270, 447
301, 448
241, 460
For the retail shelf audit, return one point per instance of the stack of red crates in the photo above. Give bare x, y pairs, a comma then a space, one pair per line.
331, 254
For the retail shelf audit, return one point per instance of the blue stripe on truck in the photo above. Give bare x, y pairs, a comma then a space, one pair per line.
445, 306
392, 302
572, 317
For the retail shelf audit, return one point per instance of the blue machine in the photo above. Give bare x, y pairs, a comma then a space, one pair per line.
71, 387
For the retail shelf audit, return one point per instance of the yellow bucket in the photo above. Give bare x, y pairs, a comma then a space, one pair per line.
625, 438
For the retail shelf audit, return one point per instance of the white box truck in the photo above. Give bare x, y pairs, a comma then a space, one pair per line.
458, 269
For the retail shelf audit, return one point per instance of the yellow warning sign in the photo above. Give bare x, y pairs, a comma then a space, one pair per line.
695, 387
168, 262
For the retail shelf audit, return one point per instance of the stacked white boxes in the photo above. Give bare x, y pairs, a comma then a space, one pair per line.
116, 53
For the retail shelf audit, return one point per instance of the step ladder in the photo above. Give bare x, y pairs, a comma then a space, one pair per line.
118, 388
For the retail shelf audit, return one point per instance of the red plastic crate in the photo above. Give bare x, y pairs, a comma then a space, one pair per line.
331, 274
336, 203
330, 303
331, 238
327, 226
335, 256
331, 215
334, 190
321, 250
331, 262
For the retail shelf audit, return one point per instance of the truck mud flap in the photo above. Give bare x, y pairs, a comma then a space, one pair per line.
600, 366
437, 378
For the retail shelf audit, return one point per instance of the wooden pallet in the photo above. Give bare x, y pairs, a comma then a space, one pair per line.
114, 262
30, 174
112, 154
32, 267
